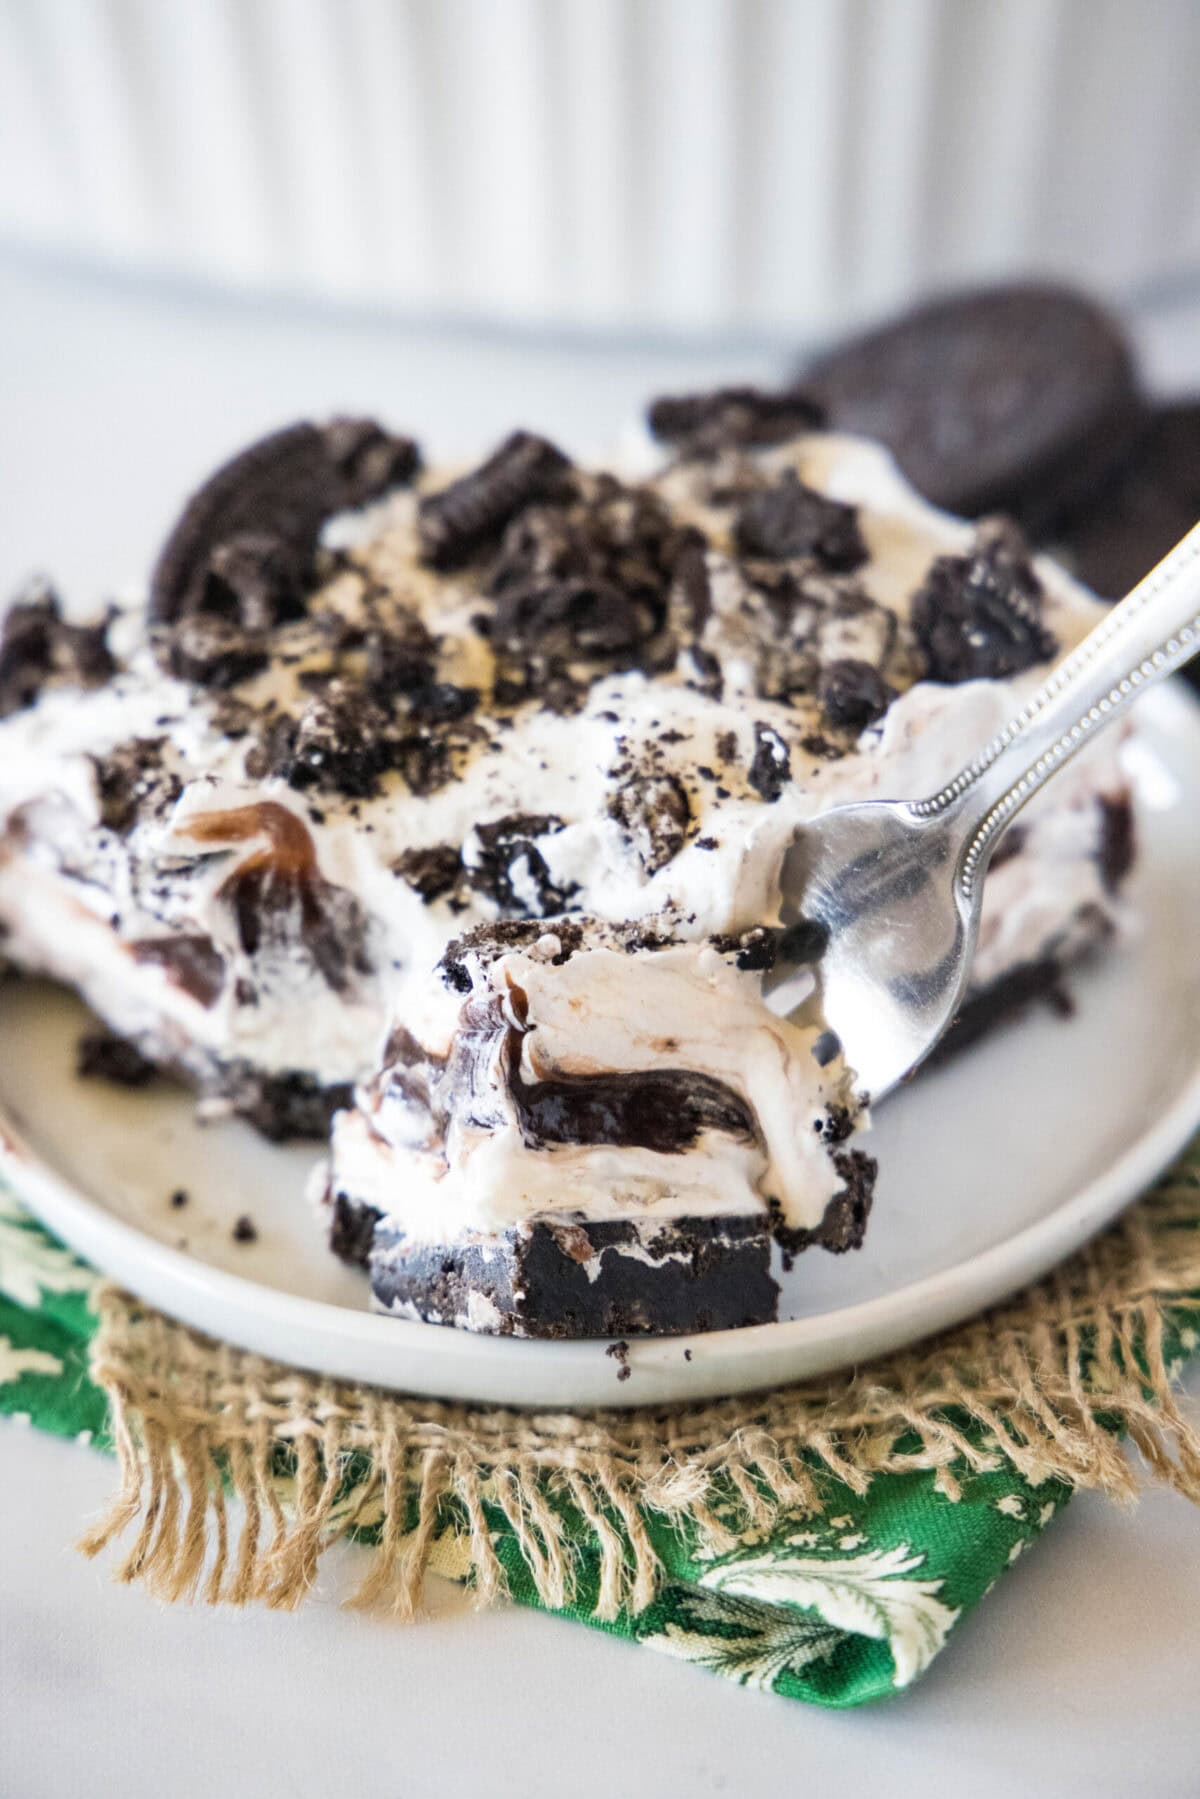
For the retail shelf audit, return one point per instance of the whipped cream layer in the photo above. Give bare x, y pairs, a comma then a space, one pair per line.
228, 915
607, 1086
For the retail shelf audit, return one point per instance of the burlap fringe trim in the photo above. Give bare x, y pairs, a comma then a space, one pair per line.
1049, 1378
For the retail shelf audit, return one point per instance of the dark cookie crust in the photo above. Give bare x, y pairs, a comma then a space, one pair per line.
695, 1274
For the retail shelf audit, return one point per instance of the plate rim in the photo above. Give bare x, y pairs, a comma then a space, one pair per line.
473, 1368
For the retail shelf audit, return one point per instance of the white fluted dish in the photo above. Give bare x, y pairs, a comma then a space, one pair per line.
787, 165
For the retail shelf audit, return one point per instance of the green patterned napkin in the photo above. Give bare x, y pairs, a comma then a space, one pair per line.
831, 1569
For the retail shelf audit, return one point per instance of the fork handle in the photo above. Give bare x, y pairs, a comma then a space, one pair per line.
1152, 632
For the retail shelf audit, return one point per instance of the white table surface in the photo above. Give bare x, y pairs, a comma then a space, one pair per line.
1079, 1675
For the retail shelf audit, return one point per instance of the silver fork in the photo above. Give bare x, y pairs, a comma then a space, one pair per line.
892, 890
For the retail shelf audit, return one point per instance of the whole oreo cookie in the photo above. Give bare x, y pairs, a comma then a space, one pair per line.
1018, 398
1146, 507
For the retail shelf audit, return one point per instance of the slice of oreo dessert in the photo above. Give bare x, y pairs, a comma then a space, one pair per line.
455, 806
608, 1142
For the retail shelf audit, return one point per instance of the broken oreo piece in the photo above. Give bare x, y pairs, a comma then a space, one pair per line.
460, 520
211, 651
442, 703
771, 767
423, 761
853, 693
789, 520
369, 460
284, 488
244, 550
587, 619
978, 617
252, 579
37, 645
510, 869
735, 418
430, 872
655, 813
400, 659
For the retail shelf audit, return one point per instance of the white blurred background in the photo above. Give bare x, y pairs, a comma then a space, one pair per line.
746, 167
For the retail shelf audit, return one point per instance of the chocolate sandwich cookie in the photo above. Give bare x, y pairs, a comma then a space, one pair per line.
1019, 398
1134, 518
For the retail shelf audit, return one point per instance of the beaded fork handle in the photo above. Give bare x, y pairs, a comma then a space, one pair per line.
1150, 634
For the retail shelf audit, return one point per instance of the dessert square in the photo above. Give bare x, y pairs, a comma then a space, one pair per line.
441, 814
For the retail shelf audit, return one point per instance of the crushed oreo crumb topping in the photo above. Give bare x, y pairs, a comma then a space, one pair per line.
584, 587
131, 778
399, 659
486, 942
753, 951
340, 743
424, 762
441, 702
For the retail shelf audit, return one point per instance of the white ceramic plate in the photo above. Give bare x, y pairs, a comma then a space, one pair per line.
992, 1169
